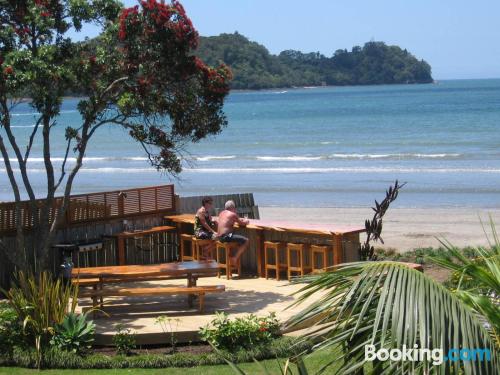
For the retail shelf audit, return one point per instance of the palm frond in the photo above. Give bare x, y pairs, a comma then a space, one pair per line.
388, 304
477, 278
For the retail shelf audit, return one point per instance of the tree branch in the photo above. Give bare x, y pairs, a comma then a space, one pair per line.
17, 151
18, 216
49, 168
111, 86
32, 137
10, 170
63, 166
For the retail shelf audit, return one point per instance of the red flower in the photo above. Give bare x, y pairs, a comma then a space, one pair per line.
45, 14
21, 31
126, 15
92, 59
8, 70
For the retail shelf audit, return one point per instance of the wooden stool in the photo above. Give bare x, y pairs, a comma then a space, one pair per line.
276, 249
323, 251
223, 260
300, 250
198, 244
187, 238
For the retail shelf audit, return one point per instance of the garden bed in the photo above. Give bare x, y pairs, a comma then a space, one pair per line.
103, 358
196, 348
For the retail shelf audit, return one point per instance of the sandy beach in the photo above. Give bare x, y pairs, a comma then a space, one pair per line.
404, 228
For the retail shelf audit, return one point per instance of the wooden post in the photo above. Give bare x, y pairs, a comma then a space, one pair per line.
260, 253
179, 240
202, 302
121, 250
338, 256
121, 204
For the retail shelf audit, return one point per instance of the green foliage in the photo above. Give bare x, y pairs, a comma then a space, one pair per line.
254, 67
476, 279
420, 255
10, 329
389, 305
75, 334
155, 88
169, 326
124, 340
141, 76
40, 304
245, 332
58, 359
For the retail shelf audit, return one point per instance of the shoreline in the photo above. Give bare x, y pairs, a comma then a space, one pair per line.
404, 228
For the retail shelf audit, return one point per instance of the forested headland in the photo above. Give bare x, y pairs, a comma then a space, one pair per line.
254, 67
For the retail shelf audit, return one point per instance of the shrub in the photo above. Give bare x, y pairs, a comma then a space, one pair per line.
75, 334
10, 329
124, 340
241, 332
41, 303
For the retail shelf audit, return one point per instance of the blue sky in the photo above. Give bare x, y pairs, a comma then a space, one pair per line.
459, 38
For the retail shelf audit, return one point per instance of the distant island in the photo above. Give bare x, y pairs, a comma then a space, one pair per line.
255, 68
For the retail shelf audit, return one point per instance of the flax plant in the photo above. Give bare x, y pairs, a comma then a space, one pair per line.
41, 303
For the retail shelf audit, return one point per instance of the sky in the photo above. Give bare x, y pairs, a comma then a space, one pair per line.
460, 39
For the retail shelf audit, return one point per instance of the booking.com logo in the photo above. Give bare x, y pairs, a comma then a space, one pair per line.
434, 356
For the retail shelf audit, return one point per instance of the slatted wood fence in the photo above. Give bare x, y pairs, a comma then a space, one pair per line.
93, 207
97, 216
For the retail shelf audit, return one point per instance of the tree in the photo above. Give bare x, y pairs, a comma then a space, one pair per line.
140, 76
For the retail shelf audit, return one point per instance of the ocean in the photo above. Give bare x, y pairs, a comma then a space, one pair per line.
316, 147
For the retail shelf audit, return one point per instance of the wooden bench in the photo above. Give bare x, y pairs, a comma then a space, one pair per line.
94, 282
199, 291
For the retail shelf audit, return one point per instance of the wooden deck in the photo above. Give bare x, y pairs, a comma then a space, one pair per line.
242, 297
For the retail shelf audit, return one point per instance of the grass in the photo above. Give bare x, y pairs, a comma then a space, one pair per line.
417, 255
313, 363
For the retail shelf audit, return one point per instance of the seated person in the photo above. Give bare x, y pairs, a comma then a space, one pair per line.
204, 226
227, 219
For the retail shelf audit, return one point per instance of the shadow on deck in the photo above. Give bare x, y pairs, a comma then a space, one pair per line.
242, 296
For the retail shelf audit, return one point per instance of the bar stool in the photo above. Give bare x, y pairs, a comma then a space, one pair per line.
223, 260
299, 251
274, 251
322, 251
187, 238
198, 245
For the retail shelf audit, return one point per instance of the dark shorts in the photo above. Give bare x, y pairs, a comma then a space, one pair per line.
231, 237
202, 235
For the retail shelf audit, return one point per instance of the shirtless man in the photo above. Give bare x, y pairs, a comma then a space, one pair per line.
227, 219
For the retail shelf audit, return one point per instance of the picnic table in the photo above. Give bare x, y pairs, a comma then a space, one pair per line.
188, 270
99, 277
334, 232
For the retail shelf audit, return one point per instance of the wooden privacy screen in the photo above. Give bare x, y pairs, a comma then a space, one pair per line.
85, 208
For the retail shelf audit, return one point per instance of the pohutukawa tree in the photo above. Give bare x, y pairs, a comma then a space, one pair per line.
140, 75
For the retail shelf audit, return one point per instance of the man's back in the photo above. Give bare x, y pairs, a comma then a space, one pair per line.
226, 222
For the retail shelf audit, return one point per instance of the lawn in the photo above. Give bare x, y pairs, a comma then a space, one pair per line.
313, 363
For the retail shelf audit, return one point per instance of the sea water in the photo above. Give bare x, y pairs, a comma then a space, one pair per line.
317, 147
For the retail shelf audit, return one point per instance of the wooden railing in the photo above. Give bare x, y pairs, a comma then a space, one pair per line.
92, 207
